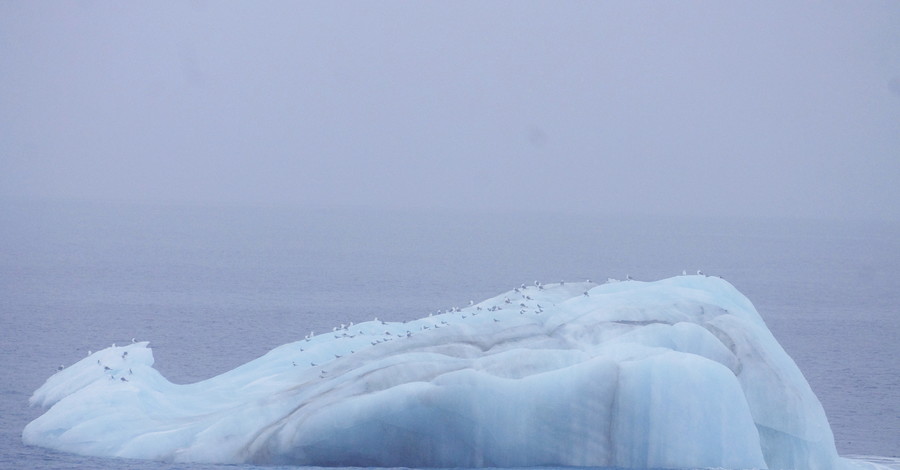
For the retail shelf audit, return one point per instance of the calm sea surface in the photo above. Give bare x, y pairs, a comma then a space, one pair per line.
214, 287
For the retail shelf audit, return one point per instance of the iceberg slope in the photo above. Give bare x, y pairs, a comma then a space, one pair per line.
675, 373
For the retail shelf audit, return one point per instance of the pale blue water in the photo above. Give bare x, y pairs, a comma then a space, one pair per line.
212, 288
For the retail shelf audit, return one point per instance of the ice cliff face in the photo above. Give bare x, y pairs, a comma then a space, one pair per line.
678, 373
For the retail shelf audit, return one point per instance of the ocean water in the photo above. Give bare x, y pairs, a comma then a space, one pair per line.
214, 287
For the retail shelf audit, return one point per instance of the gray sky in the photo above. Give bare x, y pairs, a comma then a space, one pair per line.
686, 108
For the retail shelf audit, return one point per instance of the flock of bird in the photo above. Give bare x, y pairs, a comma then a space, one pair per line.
378, 331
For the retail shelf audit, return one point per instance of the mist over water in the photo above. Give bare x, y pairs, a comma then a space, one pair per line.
213, 287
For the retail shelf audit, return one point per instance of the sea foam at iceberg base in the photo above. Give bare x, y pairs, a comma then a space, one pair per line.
677, 373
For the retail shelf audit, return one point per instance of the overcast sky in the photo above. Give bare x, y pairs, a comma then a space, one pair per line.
684, 108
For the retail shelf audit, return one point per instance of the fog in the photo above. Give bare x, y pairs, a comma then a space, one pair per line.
676, 108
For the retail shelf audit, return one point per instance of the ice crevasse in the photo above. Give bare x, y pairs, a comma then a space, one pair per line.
676, 373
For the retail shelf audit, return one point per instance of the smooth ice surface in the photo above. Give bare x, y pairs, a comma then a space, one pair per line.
676, 373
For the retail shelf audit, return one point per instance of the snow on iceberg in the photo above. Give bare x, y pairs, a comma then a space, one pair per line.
677, 373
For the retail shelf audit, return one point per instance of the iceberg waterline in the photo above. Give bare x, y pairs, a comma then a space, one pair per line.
677, 373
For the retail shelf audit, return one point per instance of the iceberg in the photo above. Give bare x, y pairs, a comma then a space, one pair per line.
676, 373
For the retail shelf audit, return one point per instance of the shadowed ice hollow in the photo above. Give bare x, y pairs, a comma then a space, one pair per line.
677, 373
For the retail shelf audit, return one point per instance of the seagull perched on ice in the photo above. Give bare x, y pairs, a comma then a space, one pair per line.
700, 273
